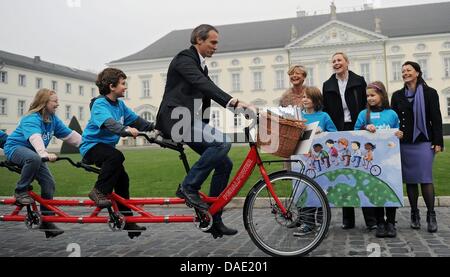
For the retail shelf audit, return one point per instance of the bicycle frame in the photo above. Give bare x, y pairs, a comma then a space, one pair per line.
136, 205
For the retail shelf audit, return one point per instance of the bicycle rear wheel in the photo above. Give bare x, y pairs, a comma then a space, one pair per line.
303, 199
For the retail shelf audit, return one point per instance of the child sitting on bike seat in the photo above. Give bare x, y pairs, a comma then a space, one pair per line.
26, 146
111, 119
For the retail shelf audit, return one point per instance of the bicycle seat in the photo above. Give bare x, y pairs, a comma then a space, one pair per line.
84, 161
90, 164
164, 141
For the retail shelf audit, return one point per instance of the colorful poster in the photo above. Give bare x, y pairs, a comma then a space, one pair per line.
354, 168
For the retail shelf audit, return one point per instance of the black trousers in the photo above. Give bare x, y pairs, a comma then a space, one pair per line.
348, 216
390, 215
348, 213
112, 173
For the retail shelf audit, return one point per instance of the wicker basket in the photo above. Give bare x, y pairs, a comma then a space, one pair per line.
284, 142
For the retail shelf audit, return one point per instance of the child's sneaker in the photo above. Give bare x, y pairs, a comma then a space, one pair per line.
303, 230
23, 198
100, 199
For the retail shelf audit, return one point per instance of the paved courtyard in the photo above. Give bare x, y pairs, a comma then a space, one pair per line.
183, 240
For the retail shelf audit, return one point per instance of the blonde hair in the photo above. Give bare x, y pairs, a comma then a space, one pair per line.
342, 54
39, 103
300, 67
316, 97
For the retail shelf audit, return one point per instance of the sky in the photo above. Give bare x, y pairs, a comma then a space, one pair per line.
87, 34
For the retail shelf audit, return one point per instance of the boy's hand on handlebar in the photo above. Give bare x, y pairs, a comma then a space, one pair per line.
52, 157
133, 132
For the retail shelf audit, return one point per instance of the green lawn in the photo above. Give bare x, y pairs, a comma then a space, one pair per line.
157, 172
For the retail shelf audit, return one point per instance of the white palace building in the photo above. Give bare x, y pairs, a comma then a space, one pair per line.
21, 77
252, 58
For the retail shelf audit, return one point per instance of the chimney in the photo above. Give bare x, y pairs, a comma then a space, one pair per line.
368, 6
377, 25
301, 13
37, 59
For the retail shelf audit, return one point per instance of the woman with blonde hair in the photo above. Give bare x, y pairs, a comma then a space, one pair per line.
26, 147
294, 95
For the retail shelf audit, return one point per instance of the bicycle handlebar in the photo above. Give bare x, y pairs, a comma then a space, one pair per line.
75, 164
164, 143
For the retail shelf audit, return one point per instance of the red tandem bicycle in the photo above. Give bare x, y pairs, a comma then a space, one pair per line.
269, 205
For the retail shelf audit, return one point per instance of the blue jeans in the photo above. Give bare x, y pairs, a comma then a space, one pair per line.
213, 150
33, 168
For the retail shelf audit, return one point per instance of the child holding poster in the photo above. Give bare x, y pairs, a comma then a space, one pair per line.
312, 112
378, 115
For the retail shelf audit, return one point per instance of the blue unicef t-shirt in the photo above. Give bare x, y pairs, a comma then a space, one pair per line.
386, 119
101, 111
3, 137
34, 124
325, 122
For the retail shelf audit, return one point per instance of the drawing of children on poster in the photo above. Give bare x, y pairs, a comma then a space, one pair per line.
356, 154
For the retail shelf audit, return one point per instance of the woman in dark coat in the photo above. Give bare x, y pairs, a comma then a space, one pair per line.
417, 106
344, 97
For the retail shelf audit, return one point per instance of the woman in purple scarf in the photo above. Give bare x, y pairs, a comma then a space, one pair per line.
417, 106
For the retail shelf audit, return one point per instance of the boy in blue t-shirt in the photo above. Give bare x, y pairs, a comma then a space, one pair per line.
312, 112
111, 119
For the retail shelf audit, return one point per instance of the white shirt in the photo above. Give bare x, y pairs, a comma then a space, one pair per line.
342, 86
202, 61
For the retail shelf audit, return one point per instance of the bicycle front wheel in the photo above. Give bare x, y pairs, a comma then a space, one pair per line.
375, 170
306, 204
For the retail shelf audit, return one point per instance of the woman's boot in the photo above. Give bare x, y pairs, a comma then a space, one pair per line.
415, 219
431, 220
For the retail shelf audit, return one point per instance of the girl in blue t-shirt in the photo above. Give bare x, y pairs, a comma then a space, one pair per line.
312, 111
378, 115
26, 146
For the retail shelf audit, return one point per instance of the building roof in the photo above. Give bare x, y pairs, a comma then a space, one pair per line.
395, 22
38, 65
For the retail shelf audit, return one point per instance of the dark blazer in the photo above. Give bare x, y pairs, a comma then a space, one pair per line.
404, 110
355, 97
187, 81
